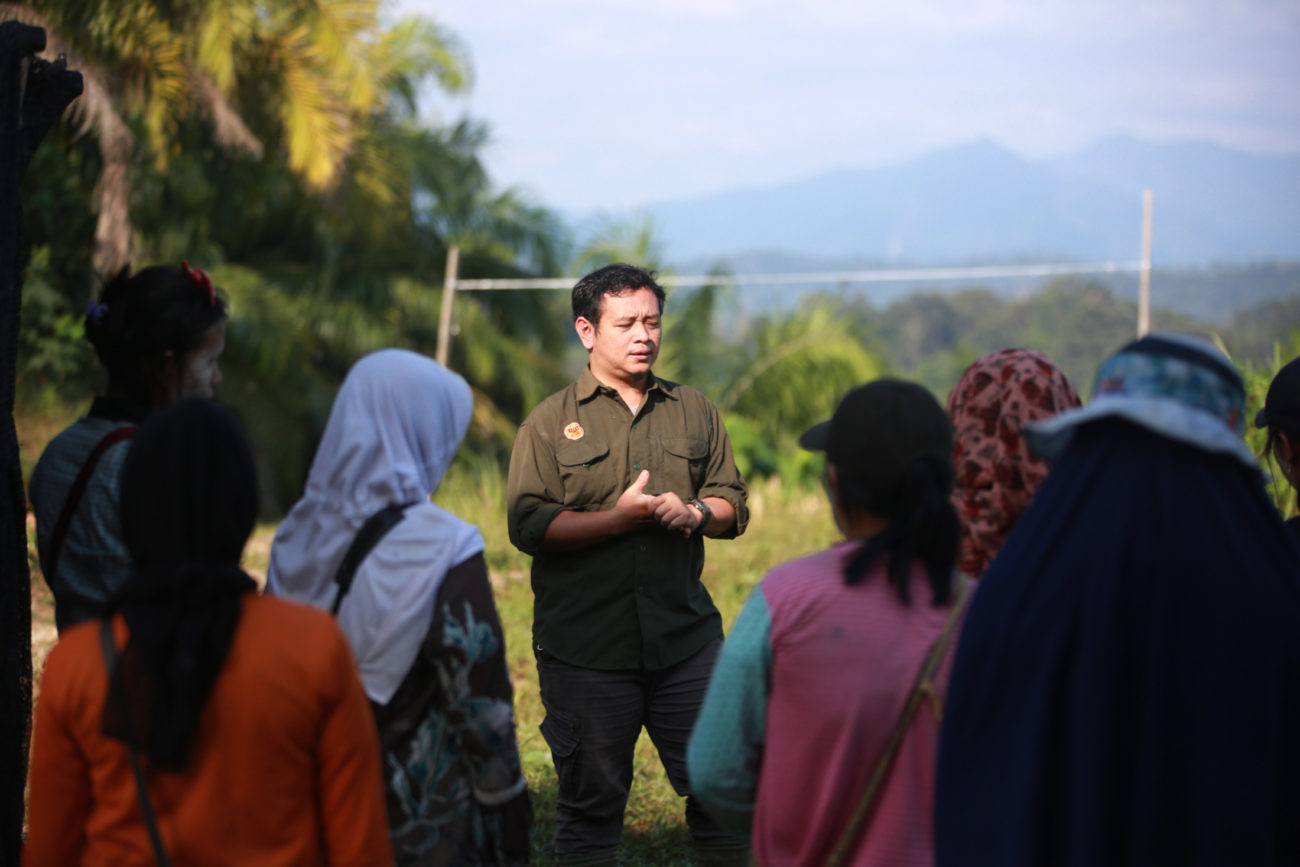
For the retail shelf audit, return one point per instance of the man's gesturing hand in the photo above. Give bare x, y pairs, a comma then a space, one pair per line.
674, 515
634, 504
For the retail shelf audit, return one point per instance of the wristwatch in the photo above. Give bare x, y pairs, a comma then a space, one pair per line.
706, 514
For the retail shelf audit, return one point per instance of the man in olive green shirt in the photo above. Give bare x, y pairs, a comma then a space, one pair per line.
613, 483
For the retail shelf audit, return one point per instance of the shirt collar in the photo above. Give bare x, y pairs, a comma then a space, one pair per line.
589, 386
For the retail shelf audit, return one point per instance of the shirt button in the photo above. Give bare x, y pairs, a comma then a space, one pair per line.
640, 588
643, 547
636, 466
633, 425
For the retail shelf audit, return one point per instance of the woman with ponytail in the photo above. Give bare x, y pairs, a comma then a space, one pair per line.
819, 732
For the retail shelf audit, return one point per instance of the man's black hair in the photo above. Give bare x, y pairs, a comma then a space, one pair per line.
590, 291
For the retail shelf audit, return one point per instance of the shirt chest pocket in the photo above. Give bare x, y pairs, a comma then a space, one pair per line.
588, 475
683, 464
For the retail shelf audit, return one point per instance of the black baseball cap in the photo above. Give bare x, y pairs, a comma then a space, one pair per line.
879, 429
1282, 406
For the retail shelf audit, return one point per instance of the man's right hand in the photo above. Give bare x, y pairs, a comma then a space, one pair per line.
634, 505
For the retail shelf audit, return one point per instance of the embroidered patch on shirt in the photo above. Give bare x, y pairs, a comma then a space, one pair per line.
573, 431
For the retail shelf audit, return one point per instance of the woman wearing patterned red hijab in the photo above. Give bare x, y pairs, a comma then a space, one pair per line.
996, 474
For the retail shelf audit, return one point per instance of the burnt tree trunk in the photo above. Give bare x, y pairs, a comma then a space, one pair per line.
33, 95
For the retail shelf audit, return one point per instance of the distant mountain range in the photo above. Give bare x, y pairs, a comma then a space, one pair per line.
983, 203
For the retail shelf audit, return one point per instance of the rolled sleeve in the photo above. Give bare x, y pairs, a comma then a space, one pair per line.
722, 479
534, 490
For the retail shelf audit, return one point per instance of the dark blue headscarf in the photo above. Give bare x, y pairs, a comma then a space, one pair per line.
1127, 686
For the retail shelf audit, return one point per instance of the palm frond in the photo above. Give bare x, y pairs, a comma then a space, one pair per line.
621, 238
415, 49
223, 28
228, 127
374, 168
793, 371
318, 130
338, 29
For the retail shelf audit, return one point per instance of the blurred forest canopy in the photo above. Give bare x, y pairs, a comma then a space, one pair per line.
278, 144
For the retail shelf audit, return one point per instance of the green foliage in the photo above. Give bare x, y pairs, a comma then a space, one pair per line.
52, 357
783, 375
1075, 322
1255, 332
1258, 377
616, 238
759, 456
692, 335
319, 270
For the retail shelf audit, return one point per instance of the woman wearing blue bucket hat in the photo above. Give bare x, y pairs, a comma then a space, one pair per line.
1127, 686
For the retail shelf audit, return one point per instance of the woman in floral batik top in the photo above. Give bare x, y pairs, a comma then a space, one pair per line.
418, 613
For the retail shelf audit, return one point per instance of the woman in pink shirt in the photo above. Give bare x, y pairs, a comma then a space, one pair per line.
819, 732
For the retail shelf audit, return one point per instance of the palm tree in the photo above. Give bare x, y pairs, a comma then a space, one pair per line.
789, 372
304, 73
620, 238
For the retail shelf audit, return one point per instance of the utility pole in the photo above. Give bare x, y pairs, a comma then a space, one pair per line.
1144, 274
448, 296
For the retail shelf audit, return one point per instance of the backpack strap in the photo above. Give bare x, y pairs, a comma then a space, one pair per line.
374, 529
921, 689
109, 647
110, 439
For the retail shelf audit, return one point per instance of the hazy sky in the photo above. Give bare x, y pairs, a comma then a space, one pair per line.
616, 103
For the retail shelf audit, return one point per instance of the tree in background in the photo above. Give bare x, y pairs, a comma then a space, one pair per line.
328, 226
784, 374
309, 67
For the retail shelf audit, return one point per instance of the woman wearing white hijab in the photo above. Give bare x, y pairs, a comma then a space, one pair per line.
418, 612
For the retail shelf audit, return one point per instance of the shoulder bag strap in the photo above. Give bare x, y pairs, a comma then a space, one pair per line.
374, 529
920, 689
146, 807
112, 438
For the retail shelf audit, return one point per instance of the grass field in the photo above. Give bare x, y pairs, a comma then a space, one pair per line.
783, 524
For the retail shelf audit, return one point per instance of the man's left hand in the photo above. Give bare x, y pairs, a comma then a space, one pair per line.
674, 515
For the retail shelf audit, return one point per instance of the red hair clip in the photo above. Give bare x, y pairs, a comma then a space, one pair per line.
198, 275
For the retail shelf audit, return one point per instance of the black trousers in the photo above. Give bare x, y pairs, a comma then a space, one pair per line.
593, 720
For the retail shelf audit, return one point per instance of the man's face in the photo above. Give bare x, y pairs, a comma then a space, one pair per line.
625, 343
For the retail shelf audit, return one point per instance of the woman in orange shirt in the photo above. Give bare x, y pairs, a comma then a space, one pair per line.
253, 737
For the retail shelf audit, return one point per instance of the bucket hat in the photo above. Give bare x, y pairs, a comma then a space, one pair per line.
1176, 385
